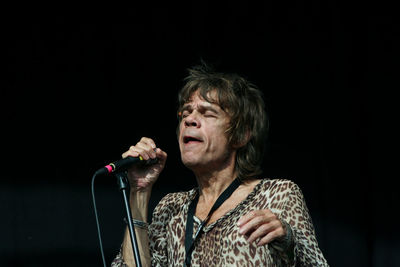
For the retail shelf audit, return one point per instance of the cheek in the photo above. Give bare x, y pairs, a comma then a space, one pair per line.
179, 131
220, 140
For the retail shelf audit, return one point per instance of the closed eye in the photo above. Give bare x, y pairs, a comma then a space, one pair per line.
209, 115
185, 114
209, 112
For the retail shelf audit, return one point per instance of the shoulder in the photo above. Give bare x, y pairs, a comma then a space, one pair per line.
276, 193
173, 202
276, 186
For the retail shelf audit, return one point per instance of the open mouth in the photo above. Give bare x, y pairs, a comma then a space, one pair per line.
191, 139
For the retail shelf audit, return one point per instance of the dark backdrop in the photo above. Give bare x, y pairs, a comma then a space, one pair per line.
83, 83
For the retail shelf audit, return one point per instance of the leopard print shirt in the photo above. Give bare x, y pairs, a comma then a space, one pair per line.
220, 244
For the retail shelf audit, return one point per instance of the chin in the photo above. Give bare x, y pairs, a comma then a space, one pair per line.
190, 163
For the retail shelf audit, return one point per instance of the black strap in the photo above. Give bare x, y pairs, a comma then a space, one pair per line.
189, 240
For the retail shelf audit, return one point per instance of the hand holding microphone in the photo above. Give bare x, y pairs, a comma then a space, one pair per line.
143, 176
144, 162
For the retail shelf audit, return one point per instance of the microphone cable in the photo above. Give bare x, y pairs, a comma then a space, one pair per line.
97, 219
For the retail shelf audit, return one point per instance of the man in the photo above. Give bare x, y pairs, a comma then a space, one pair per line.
233, 218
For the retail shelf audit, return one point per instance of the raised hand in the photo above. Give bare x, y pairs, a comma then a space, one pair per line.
142, 177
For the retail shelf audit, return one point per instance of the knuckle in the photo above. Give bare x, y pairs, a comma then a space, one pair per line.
280, 233
271, 215
259, 220
139, 150
264, 228
146, 140
276, 234
266, 211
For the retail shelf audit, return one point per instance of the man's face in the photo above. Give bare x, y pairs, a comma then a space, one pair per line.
203, 140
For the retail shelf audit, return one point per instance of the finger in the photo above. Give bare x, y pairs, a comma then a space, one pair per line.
132, 152
244, 219
161, 155
146, 149
271, 236
251, 225
135, 151
148, 141
260, 232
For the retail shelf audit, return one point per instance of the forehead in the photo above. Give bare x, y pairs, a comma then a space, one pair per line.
196, 98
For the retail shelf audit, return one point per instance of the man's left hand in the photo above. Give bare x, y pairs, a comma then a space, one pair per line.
261, 226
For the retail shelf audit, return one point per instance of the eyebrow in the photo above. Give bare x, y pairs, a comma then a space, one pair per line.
189, 107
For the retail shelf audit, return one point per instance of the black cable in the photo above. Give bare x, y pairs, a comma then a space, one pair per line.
97, 220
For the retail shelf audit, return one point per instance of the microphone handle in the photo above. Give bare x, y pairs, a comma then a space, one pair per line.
124, 164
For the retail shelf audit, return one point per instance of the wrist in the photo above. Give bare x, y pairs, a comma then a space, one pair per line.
138, 224
284, 242
139, 202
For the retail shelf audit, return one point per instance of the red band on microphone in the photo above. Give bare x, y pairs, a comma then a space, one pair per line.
109, 168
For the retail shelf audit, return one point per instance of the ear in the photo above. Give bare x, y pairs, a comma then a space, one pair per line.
243, 142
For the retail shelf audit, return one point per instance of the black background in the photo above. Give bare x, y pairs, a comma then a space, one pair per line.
83, 83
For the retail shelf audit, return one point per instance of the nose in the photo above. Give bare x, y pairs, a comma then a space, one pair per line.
192, 121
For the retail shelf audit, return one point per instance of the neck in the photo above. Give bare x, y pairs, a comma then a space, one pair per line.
212, 184
215, 177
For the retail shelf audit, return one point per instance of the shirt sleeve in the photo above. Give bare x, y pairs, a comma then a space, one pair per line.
118, 261
285, 247
157, 234
305, 246
158, 230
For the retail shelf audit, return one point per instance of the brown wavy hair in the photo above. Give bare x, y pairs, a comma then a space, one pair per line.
244, 102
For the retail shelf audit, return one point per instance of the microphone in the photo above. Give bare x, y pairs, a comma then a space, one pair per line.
124, 164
